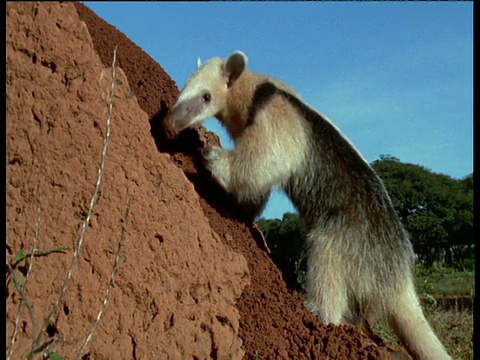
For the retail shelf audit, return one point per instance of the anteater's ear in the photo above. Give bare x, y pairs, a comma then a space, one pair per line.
234, 66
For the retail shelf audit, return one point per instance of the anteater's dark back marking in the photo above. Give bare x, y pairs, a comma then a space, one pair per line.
346, 165
265, 91
326, 134
262, 95
332, 141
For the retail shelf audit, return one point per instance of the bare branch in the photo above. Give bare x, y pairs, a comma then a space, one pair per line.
109, 287
21, 288
90, 209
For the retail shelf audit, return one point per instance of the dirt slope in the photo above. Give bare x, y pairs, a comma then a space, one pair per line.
193, 281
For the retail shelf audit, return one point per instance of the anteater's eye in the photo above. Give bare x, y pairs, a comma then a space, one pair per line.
207, 97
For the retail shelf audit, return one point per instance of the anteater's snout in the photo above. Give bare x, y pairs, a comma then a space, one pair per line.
182, 115
171, 126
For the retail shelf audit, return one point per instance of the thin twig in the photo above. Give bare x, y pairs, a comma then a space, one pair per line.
30, 266
23, 299
111, 283
90, 209
22, 288
262, 236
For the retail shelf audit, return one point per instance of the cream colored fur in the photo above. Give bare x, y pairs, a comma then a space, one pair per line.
359, 256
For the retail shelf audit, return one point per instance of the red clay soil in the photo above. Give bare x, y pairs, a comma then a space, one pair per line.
193, 280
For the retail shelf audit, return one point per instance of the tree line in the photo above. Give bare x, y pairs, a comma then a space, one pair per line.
435, 209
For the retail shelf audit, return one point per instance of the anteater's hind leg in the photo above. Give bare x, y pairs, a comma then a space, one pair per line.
327, 294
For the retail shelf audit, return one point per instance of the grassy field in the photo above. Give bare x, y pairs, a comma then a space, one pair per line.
446, 282
453, 324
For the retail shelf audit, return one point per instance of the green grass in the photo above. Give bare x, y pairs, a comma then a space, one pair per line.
447, 281
455, 331
453, 327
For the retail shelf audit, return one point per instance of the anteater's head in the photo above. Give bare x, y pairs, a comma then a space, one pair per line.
205, 92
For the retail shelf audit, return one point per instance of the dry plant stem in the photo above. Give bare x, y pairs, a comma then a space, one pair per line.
90, 210
109, 287
21, 288
23, 298
260, 233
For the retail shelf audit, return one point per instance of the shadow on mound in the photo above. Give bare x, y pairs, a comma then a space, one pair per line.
185, 150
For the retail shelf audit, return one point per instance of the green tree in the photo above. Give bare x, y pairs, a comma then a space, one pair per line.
285, 239
436, 209
461, 236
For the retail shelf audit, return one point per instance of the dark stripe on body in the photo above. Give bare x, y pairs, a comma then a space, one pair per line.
338, 176
262, 95
332, 142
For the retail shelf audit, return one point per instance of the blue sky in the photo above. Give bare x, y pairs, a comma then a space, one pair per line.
395, 77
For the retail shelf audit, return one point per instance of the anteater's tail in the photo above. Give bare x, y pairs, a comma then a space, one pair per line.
407, 319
